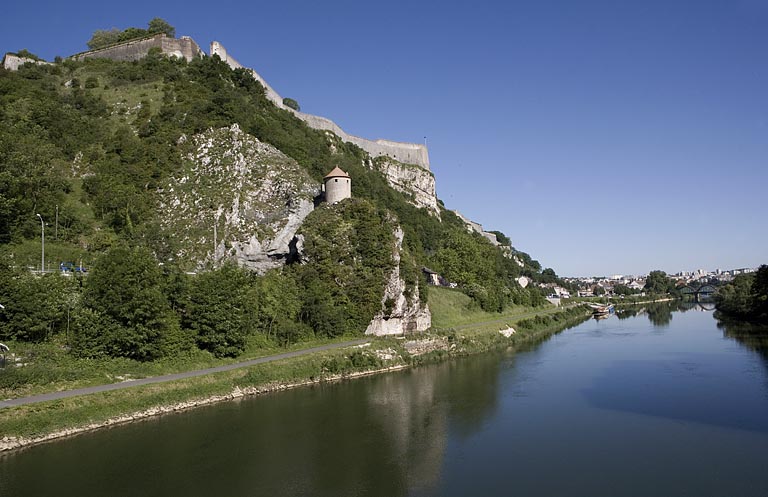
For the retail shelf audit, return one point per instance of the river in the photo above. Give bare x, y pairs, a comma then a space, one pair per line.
658, 403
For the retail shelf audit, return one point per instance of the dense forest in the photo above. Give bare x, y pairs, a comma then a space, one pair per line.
87, 144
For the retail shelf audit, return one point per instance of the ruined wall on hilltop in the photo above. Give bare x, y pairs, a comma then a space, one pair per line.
13, 62
407, 153
137, 49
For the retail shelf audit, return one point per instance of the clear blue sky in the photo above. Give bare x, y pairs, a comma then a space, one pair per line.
602, 136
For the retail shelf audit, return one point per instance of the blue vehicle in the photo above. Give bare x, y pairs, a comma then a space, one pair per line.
70, 267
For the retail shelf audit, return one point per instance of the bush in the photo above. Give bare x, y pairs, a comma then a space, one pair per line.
293, 104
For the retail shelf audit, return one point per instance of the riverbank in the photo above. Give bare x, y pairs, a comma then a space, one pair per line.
27, 425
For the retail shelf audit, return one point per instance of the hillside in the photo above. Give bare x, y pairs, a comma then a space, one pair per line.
145, 170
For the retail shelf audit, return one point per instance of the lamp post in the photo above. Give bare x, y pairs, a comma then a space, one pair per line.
42, 237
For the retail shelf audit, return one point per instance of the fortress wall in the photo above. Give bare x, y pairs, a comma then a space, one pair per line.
407, 153
138, 49
14, 62
128, 51
218, 49
182, 47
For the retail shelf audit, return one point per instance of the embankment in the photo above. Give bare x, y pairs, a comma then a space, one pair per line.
27, 425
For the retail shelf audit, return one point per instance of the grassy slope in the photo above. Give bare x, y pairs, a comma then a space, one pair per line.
452, 309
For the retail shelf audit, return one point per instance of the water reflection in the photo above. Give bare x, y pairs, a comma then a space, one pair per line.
417, 410
681, 412
382, 435
753, 336
659, 314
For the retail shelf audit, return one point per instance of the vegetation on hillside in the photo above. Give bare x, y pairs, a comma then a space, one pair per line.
88, 144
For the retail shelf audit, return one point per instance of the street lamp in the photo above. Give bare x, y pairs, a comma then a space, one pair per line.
42, 237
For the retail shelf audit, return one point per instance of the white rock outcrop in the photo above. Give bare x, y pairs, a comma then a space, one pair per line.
414, 181
236, 198
406, 315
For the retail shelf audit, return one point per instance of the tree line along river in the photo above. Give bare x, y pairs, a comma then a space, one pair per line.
659, 402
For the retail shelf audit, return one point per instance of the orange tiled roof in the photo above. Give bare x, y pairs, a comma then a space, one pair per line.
336, 173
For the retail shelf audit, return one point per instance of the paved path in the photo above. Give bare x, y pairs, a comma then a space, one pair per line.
176, 376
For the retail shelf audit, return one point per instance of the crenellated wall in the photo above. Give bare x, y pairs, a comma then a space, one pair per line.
136, 49
407, 153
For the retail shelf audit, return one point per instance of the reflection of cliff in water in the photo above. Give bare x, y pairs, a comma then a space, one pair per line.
416, 408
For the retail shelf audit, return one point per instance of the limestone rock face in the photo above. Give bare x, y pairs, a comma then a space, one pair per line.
236, 198
406, 315
416, 182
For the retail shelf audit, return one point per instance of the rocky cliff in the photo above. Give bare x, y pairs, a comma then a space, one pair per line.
416, 182
402, 313
236, 198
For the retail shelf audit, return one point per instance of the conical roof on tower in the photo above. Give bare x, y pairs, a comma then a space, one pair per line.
336, 173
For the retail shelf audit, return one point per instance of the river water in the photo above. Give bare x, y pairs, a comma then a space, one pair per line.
660, 403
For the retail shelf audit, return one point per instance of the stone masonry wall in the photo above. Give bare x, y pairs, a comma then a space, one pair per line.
407, 153
136, 49
13, 62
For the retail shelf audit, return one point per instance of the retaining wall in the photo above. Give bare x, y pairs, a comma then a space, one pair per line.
137, 49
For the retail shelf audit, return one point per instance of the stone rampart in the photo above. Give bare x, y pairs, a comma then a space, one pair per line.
13, 62
136, 49
478, 228
218, 49
407, 153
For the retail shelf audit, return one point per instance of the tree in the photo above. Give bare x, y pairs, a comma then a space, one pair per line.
548, 276
746, 297
36, 307
124, 291
293, 104
759, 294
659, 283
502, 238
104, 37
158, 25
734, 298
27, 54
216, 311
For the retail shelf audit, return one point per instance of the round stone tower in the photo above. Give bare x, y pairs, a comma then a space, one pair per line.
338, 186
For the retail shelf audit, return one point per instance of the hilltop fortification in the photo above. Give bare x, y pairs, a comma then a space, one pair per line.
407, 153
13, 62
186, 47
136, 49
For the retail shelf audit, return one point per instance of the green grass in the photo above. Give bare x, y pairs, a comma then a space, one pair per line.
453, 309
50, 368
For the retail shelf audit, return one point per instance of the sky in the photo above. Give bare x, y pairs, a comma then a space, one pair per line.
602, 136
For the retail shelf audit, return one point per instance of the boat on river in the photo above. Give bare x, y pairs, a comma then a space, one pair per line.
602, 310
